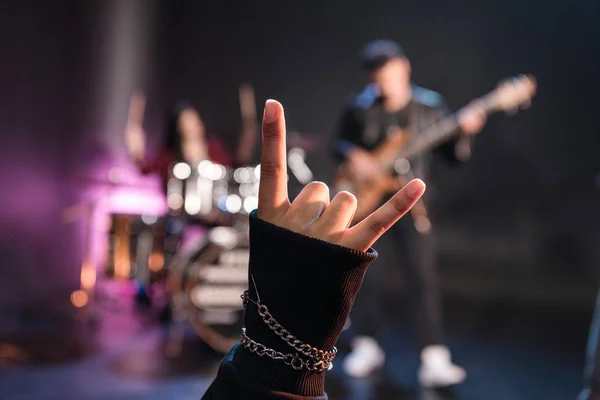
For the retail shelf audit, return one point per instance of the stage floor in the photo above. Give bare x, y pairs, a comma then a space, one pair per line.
511, 352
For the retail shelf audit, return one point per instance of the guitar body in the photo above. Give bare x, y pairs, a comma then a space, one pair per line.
370, 193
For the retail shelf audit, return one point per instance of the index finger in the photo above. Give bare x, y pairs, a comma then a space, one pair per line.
272, 192
363, 235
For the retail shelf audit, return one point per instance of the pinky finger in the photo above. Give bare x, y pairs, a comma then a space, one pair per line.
363, 235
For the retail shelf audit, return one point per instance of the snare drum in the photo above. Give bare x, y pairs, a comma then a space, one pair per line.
206, 287
206, 279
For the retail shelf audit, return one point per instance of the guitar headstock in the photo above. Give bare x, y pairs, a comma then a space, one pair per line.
513, 93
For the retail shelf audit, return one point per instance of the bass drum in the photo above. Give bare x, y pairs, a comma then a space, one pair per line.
206, 285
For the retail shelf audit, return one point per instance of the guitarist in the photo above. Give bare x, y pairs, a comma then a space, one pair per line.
388, 103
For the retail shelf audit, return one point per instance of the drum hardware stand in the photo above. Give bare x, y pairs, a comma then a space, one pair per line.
84, 297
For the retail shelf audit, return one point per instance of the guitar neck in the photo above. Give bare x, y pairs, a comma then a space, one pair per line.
442, 131
512, 94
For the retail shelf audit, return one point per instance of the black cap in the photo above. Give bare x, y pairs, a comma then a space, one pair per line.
376, 53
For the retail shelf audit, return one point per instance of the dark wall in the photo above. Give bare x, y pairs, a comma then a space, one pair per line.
40, 113
526, 199
53, 131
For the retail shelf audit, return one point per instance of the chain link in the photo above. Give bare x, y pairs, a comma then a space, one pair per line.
293, 360
286, 336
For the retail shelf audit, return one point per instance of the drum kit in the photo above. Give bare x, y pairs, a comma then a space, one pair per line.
206, 277
203, 277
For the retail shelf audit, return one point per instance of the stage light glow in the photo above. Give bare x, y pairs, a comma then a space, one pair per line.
247, 174
182, 171
104, 223
206, 169
296, 156
246, 189
219, 172
175, 201
156, 261
219, 191
233, 204
88, 276
149, 219
402, 166
237, 175
250, 203
223, 236
192, 204
115, 175
222, 203
298, 166
79, 298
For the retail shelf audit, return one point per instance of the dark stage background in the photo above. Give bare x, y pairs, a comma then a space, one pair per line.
524, 209
519, 223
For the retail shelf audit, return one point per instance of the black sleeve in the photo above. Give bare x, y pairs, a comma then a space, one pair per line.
309, 286
349, 133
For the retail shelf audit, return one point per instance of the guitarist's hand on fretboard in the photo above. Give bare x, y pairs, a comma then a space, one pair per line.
472, 118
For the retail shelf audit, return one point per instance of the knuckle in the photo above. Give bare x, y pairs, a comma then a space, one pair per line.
270, 169
347, 198
399, 204
270, 131
317, 186
333, 237
377, 228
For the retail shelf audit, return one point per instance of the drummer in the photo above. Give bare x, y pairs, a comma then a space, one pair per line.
186, 140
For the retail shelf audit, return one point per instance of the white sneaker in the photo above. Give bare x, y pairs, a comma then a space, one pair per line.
366, 357
437, 369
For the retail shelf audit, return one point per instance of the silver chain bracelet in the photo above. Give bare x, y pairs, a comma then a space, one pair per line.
286, 336
290, 359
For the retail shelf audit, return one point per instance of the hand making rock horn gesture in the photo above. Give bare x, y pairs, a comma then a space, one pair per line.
312, 213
